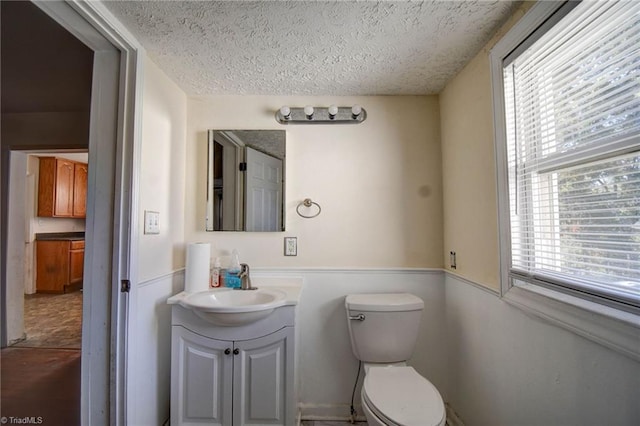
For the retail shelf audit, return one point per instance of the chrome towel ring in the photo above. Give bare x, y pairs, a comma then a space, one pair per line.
307, 202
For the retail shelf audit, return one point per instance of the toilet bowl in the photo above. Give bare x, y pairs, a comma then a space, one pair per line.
383, 329
400, 396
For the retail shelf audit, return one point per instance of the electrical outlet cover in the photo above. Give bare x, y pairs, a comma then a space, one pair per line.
290, 246
151, 222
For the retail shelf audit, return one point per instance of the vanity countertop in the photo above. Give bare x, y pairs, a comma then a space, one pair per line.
292, 289
60, 236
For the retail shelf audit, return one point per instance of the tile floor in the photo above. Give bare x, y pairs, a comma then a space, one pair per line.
53, 321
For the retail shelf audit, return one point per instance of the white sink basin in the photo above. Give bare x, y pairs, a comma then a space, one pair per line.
228, 307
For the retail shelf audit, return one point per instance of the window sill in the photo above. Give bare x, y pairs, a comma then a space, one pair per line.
615, 329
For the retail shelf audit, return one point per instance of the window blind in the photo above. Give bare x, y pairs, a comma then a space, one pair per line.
572, 101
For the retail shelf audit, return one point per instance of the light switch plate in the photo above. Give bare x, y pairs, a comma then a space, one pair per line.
151, 222
290, 246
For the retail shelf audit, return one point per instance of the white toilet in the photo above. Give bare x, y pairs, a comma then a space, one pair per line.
383, 330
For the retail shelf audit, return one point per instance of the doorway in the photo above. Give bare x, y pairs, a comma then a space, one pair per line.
110, 137
48, 353
47, 109
53, 255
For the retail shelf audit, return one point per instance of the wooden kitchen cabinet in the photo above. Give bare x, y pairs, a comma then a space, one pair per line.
80, 190
52, 266
59, 265
62, 188
76, 262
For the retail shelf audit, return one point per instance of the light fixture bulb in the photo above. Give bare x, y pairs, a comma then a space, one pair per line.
308, 111
333, 110
285, 111
356, 110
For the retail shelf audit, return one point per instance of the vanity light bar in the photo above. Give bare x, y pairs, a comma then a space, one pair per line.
320, 115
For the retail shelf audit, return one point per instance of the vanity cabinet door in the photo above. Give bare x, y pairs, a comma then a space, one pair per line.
263, 380
201, 379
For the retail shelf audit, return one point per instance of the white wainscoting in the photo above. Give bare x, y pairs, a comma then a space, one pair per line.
493, 363
326, 366
151, 350
508, 368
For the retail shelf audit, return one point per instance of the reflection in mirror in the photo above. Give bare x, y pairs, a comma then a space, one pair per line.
245, 180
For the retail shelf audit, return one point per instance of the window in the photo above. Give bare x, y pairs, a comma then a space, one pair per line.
566, 82
572, 109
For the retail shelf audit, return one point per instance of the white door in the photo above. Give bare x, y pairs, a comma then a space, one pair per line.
263, 192
263, 380
201, 379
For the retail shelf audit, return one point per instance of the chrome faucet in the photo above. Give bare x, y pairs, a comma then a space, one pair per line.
245, 279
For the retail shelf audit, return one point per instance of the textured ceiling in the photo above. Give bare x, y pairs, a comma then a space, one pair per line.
311, 47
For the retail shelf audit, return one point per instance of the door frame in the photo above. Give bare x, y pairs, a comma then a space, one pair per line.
112, 205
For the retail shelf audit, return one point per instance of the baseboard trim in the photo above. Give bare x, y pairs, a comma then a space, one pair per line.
452, 416
18, 340
331, 412
328, 412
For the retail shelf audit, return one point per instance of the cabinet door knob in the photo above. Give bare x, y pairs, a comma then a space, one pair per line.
236, 351
227, 351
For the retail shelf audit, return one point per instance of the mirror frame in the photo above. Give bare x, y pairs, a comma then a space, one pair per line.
235, 178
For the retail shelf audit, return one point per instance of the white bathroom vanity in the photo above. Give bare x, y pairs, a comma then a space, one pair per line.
234, 375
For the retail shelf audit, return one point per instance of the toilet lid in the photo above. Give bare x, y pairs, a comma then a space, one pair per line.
403, 397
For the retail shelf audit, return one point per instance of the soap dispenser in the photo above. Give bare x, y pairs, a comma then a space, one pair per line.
232, 279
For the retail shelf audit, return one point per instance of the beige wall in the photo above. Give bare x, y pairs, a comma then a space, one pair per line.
468, 164
379, 183
161, 185
161, 173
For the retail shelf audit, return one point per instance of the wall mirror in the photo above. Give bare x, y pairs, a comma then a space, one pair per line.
245, 180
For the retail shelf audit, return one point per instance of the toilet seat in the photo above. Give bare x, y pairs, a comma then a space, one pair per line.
400, 396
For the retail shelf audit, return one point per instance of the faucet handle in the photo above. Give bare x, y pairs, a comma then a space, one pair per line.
245, 277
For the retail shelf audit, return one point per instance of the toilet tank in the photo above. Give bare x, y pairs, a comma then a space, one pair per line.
389, 328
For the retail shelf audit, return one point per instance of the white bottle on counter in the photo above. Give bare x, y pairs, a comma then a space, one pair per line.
214, 277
